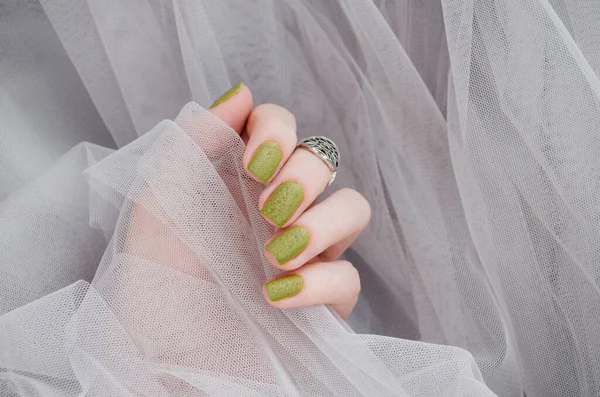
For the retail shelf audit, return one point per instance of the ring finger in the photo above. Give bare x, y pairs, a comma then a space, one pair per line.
325, 230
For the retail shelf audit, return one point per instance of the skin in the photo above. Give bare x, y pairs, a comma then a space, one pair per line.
332, 224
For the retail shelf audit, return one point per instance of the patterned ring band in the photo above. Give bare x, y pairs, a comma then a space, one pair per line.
326, 150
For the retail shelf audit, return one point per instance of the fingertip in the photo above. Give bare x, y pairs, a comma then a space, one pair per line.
280, 203
266, 296
262, 165
271, 132
282, 288
280, 304
271, 258
234, 107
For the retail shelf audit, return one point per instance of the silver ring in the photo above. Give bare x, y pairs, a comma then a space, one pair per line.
326, 150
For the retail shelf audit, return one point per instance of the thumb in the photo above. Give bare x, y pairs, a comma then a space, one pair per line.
234, 106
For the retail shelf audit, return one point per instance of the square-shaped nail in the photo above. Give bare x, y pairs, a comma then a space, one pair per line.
284, 201
284, 287
265, 161
289, 244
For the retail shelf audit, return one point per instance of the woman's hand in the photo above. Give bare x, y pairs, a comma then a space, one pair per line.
312, 237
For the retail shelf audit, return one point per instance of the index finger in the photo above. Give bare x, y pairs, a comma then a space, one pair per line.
272, 139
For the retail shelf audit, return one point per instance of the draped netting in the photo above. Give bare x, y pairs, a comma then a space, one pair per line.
131, 246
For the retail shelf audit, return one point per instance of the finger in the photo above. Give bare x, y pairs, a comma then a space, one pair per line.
271, 140
303, 178
234, 107
326, 229
334, 283
233, 110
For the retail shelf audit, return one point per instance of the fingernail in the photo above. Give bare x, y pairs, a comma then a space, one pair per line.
289, 244
231, 92
283, 202
265, 161
284, 287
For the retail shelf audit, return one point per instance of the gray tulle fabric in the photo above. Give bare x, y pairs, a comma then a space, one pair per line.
130, 243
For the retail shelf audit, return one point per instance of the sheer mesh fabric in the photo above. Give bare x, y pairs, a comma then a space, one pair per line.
131, 246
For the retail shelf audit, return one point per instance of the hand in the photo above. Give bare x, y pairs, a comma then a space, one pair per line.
312, 238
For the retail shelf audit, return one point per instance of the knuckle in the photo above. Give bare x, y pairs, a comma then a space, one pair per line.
272, 110
361, 205
355, 279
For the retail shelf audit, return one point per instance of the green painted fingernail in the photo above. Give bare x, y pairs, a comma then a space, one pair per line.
231, 92
283, 202
265, 161
284, 287
289, 244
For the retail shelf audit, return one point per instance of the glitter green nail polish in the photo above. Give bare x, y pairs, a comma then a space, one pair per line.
231, 92
265, 161
284, 287
283, 202
289, 244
